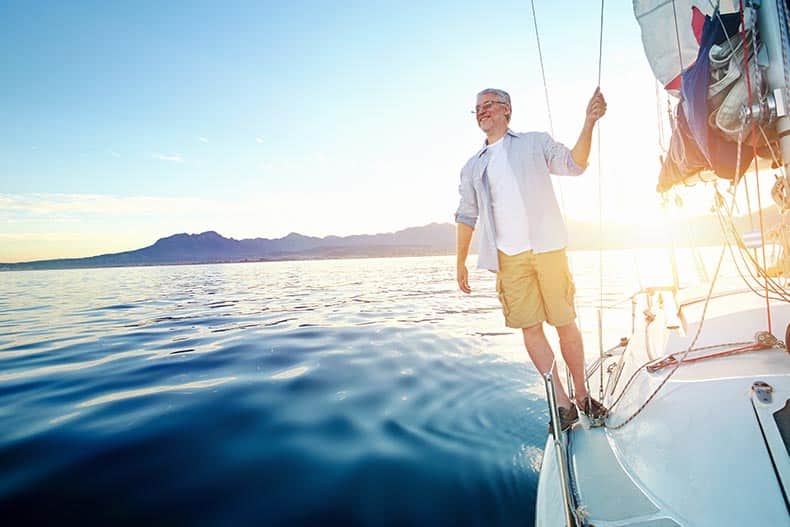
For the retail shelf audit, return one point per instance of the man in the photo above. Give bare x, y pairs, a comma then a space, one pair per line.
507, 186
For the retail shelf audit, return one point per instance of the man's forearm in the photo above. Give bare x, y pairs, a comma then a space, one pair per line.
463, 240
581, 151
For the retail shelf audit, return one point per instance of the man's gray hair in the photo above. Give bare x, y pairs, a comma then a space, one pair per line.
502, 95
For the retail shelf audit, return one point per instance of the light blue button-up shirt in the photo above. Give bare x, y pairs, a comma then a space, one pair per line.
533, 156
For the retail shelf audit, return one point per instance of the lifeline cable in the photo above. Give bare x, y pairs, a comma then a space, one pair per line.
748, 71
542, 70
600, 214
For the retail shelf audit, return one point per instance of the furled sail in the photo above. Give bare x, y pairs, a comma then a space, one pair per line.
665, 24
698, 53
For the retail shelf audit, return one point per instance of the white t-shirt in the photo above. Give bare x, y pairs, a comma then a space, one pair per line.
510, 216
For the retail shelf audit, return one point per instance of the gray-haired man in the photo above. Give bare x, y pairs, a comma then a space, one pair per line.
507, 187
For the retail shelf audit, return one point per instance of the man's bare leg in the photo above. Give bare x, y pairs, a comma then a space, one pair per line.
572, 349
542, 357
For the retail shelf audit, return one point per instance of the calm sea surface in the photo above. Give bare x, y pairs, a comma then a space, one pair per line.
346, 392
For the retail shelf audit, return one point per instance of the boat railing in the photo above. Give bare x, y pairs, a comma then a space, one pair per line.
560, 441
604, 354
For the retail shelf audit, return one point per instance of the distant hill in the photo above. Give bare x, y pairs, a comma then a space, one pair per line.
211, 247
433, 239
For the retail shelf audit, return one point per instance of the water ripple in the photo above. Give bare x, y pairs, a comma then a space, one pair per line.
285, 393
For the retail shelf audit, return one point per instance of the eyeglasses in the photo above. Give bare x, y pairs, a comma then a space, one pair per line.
485, 107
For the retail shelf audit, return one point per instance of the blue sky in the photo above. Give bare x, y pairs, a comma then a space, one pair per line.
126, 122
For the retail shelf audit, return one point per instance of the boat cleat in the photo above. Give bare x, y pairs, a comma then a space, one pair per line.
594, 412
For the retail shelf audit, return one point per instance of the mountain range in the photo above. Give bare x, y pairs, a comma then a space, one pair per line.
432, 239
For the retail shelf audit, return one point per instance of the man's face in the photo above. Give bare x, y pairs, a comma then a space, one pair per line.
491, 113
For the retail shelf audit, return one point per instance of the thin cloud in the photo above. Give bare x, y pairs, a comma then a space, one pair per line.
58, 204
114, 153
41, 236
202, 139
259, 140
174, 158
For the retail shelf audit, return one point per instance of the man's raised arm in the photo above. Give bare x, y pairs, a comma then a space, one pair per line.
596, 108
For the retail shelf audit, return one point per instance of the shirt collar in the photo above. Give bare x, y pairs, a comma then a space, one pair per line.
482, 151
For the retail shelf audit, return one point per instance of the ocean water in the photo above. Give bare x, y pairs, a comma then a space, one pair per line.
346, 392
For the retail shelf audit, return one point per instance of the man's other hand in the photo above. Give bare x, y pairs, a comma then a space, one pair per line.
462, 276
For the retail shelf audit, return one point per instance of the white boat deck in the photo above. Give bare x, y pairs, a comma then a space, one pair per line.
705, 451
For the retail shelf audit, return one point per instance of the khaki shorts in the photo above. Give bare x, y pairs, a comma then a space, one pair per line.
534, 288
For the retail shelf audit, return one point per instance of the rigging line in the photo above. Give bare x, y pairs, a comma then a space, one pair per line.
683, 356
754, 283
784, 15
748, 71
755, 35
600, 213
685, 353
659, 122
677, 36
747, 258
542, 70
717, 13
600, 45
548, 104
748, 83
730, 218
551, 131
661, 138
748, 203
600, 183
730, 239
774, 158
731, 236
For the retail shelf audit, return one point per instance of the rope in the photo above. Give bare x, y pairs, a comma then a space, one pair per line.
675, 368
776, 288
649, 362
784, 21
600, 209
661, 139
551, 131
678, 363
717, 14
600, 44
677, 36
542, 70
671, 360
730, 232
747, 69
693, 342
774, 157
748, 203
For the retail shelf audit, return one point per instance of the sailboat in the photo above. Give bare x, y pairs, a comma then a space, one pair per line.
698, 431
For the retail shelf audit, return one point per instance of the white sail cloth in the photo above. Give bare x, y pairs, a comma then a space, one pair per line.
664, 24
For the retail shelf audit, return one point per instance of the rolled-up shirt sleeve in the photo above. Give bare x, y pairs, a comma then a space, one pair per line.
467, 208
559, 158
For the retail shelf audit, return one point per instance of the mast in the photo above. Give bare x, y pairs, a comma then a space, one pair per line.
772, 21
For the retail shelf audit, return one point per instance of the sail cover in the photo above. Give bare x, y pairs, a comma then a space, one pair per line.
664, 24
697, 54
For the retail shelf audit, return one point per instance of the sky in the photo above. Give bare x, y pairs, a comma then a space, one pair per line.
124, 122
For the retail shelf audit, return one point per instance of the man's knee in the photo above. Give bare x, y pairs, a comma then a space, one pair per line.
568, 330
533, 331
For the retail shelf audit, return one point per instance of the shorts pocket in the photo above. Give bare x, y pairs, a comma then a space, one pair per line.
501, 295
571, 290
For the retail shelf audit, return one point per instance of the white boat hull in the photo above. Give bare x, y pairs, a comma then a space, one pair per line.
704, 452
